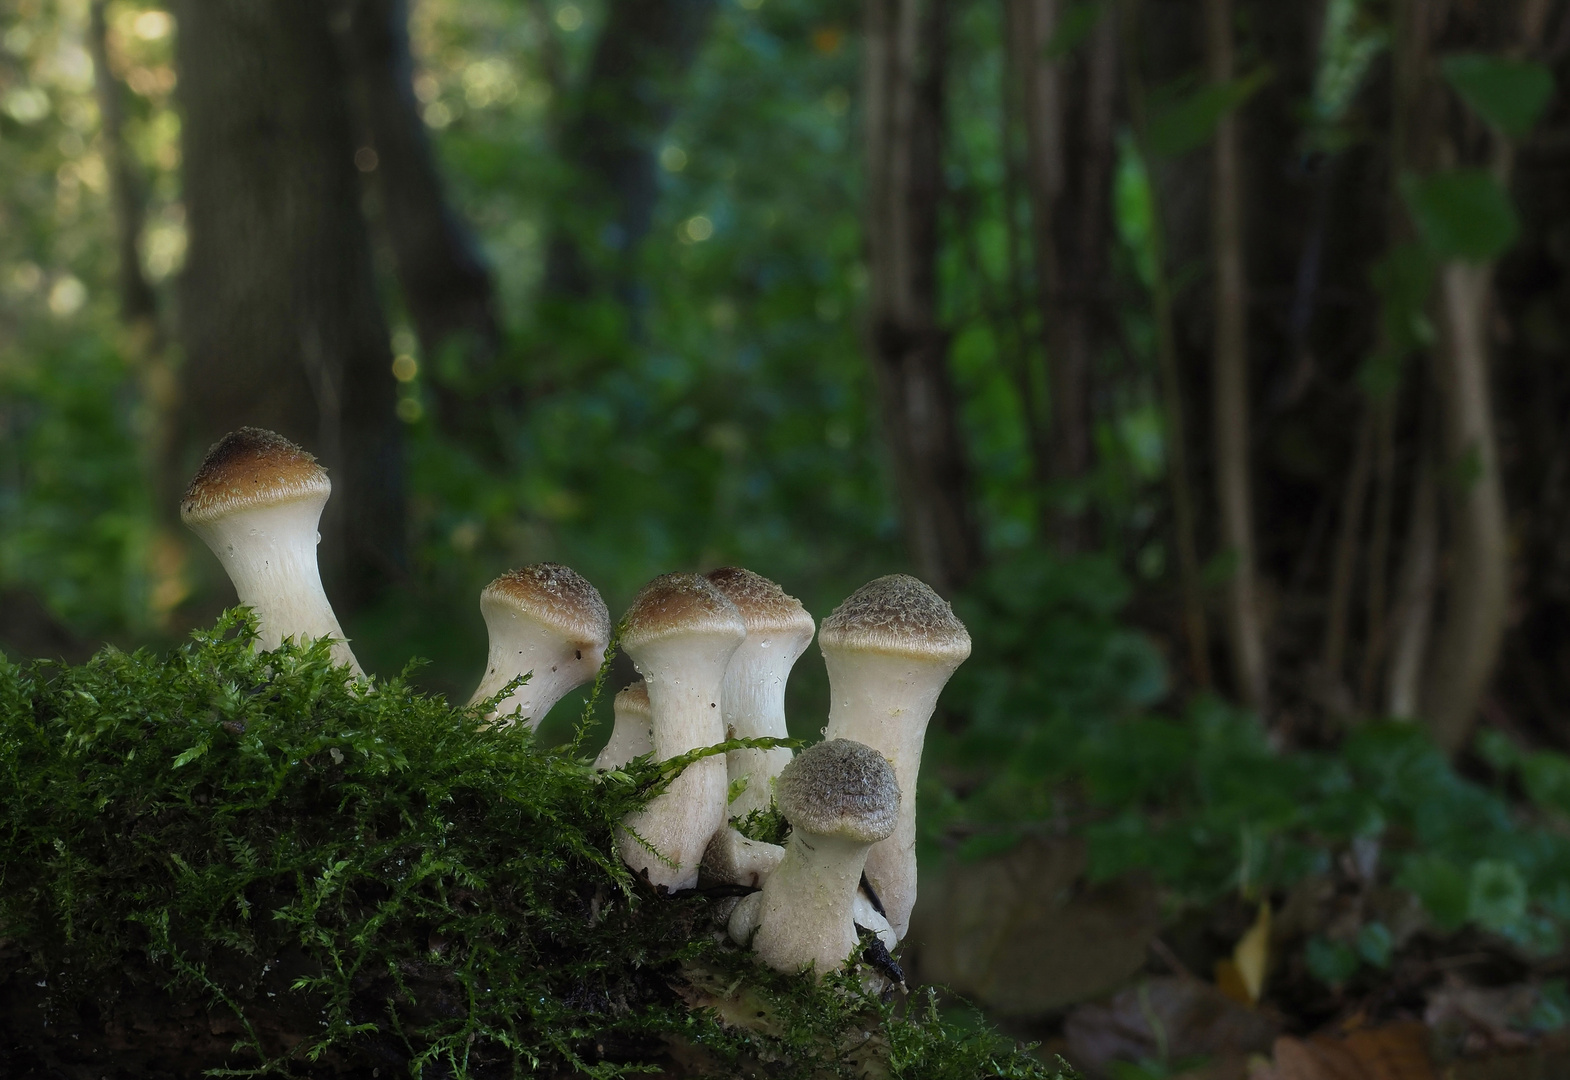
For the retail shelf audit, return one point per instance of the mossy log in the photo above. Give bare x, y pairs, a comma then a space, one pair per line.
225, 862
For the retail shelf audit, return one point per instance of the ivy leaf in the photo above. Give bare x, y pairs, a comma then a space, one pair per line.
1186, 122
1462, 213
1509, 94
1441, 886
1496, 894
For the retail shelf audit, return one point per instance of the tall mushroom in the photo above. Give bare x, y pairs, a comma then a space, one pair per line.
256, 501
680, 633
840, 798
890, 648
631, 735
753, 700
545, 619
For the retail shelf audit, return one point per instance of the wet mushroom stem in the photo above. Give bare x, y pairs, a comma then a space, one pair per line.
890, 648
546, 621
753, 700
630, 734
256, 502
840, 798
680, 633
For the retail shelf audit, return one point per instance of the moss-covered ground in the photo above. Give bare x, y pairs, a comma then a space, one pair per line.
218, 860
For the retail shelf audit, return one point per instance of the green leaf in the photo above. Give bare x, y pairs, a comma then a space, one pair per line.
1074, 26
1546, 777
1331, 962
1496, 894
1462, 214
1184, 123
190, 755
1509, 94
1374, 944
1441, 886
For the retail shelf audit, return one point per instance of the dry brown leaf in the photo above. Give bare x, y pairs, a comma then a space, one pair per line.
1251, 955
1393, 1052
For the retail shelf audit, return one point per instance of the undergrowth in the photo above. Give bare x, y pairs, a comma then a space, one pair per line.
359, 873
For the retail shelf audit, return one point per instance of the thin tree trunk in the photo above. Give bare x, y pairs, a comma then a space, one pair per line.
138, 304
903, 57
1174, 437
1230, 423
608, 141
443, 277
1477, 591
1411, 621
1068, 114
279, 317
1376, 606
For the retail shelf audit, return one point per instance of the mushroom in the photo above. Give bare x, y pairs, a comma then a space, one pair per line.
680, 633
256, 501
630, 735
735, 860
840, 798
890, 648
753, 700
545, 619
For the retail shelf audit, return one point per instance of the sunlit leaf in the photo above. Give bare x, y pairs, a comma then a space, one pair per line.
1509, 94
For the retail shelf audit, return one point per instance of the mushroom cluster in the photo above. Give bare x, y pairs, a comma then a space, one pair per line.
715, 653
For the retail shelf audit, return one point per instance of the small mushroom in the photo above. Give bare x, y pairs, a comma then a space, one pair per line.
256, 501
890, 648
680, 633
545, 619
733, 859
630, 733
840, 798
753, 700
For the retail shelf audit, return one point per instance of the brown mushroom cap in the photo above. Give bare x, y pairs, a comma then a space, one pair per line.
557, 596
896, 614
251, 467
633, 700
840, 788
674, 604
764, 606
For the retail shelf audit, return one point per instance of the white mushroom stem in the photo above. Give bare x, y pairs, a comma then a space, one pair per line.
631, 736
680, 635
736, 860
805, 914
890, 649
270, 555
545, 621
753, 699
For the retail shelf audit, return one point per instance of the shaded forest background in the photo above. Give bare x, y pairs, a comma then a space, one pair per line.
1209, 354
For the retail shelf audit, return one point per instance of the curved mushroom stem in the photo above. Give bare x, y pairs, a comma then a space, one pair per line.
631, 735
804, 917
270, 554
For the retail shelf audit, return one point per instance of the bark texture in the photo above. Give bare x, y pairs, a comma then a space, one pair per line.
279, 317
904, 48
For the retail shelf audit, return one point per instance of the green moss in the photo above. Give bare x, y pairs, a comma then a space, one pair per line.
251, 832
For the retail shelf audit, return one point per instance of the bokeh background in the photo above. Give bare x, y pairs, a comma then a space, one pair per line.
1209, 355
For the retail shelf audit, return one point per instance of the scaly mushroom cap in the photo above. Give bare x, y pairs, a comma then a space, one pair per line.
764, 606
674, 604
840, 788
899, 615
250, 467
558, 597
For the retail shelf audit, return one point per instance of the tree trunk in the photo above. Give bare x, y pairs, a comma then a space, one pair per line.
904, 53
1478, 588
443, 276
278, 311
608, 143
1068, 113
1230, 424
